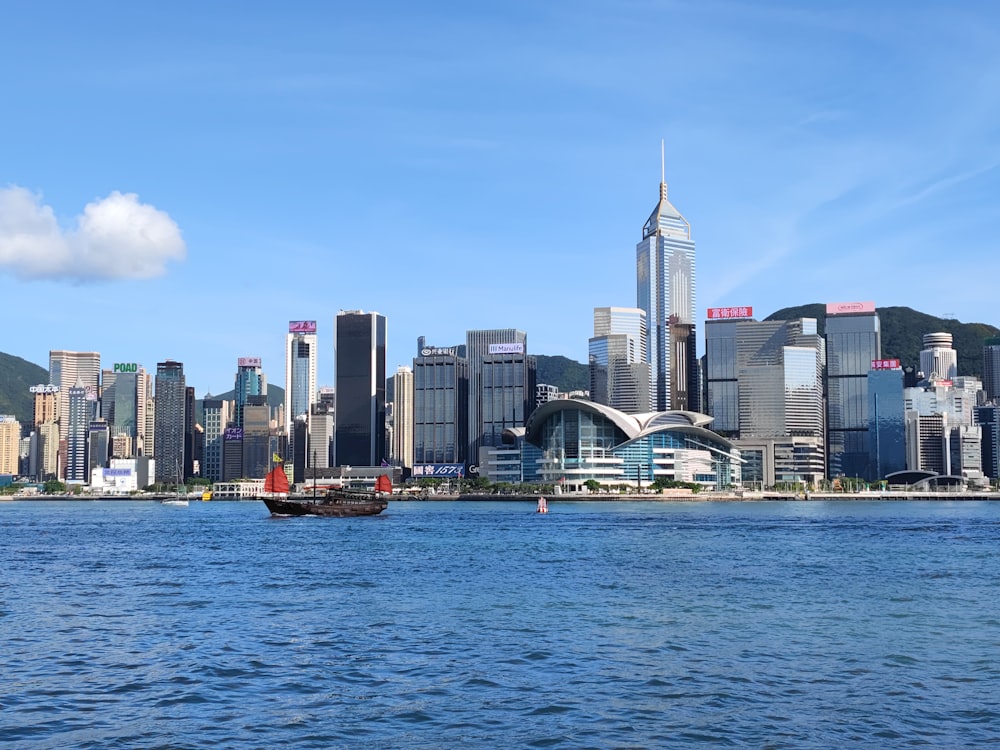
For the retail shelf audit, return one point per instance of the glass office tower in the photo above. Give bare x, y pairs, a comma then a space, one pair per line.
853, 342
665, 290
359, 435
440, 405
886, 423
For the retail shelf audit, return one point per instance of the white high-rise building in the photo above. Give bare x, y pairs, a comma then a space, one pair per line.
938, 361
300, 371
402, 417
66, 368
665, 289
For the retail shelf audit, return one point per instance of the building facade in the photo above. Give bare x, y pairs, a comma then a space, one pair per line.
169, 421
886, 421
68, 367
10, 437
402, 418
619, 372
764, 386
665, 291
360, 348
301, 361
577, 441
78, 413
440, 405
991, 369
511, 378
938, 360
853, 343
250, 382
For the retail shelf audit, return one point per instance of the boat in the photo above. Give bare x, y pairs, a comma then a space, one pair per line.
178, 498
543, 506
333, 503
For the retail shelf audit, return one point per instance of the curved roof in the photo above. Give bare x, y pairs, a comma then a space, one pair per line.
633, 425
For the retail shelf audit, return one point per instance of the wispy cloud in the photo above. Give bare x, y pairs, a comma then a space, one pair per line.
116, 237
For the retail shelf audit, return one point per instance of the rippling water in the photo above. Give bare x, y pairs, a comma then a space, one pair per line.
604, 625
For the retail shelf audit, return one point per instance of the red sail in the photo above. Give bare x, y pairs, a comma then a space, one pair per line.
276, 481
383, 483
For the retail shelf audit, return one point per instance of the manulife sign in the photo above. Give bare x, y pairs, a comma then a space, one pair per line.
126, 367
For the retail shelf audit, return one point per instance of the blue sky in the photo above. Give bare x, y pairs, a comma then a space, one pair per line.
180, 180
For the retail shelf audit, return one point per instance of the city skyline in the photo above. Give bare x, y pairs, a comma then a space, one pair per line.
201, 178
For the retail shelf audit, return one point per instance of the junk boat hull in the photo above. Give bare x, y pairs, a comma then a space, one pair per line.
331, 507
334, 503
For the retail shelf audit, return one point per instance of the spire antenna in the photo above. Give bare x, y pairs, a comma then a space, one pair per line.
663, 168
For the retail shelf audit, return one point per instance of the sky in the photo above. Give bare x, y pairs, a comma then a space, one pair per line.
179, 180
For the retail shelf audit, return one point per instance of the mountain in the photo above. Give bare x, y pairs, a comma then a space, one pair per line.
903, 330
16, 377
564, 373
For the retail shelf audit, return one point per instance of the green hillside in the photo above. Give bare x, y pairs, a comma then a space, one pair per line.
16, 377
564, 373
902, 334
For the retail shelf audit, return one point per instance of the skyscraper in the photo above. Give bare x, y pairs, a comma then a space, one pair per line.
216, 417
169, 421
853, 343
402, 418
77, 424
765, 388
991, 368
65, 369
938, 361
360, 341
300, 373
250, 381
502, 380
440, 405
886, 420
665, 290
619, 372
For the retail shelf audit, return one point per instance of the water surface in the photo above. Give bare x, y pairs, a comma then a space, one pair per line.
603, 625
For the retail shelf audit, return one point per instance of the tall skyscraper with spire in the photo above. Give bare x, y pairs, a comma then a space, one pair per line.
665, 290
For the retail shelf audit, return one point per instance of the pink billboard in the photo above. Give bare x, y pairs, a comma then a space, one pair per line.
846, 308
302, 326
729, 313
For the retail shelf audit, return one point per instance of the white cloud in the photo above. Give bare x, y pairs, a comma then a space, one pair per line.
114, 238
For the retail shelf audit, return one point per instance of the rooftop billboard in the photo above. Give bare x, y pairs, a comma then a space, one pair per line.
847, 308
729, 313
248, 362
506, 349
302, 326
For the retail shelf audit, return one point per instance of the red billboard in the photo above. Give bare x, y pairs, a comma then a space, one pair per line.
302, 326
885, 364
729, 313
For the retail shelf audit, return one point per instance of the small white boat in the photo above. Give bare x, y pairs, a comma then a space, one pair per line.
175, 501
543, 507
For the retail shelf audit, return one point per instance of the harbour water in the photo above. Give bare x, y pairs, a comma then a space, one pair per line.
597, 625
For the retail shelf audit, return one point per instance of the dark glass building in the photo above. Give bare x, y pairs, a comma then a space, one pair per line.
886, 423
853, 342
440, 405
169, 421
359, 353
